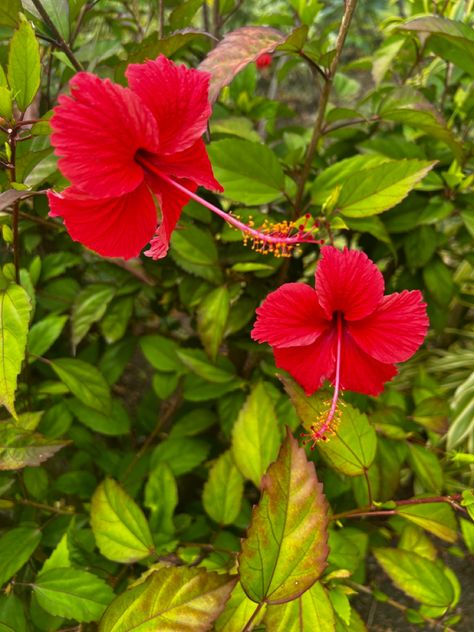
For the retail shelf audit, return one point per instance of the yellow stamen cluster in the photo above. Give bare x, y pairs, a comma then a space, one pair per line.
325, 425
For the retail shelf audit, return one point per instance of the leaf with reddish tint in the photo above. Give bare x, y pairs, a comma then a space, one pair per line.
286, 548
20, 448
235, 51
171, 599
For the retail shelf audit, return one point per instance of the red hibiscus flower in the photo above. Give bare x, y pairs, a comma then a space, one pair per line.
345, 331
123, 148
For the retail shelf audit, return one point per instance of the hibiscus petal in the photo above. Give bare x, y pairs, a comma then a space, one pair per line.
171, 203
310, 365
360, 372
349, 282
192, 163
291, 316
97, 131
395, 330
178, 98
114, 227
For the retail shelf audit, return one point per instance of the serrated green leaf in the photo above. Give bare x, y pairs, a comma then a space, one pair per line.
171, 599
437, 518
16, 548
89, 307
12, 614
58, 12
351, 450
426, 467
417, 576
183, 14
161, 498
161, 353
439, 281
24, 65
194, 250
44, 334
9, 10
182, 455
312, 611
85, 382
116, 423
20, 448
115, 322
120, 528
375, 190
6, 105
15, 309
197, 361
238, 610
72, 593
286, 547
212, 319
256, 435
223, 491
60, 557
258, 179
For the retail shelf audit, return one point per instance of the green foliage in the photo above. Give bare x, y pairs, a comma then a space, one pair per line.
145, 481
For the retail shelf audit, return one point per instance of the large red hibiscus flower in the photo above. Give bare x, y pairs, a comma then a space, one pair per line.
121, 147
345, 331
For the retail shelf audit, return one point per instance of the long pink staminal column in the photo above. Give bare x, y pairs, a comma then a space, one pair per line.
320, 431
277, 240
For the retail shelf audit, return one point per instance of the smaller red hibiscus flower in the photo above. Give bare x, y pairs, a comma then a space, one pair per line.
345, 331
263, 60
121, 147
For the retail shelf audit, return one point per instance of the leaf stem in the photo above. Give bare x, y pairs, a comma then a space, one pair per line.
349, 9
47, 508
249, 625
373, 511
57, 35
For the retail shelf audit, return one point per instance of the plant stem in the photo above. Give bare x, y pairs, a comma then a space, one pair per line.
372, 511
249, 624
57, 35
48, 508
161, 18
323, 101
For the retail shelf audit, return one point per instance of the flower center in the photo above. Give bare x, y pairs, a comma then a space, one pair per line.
327, 421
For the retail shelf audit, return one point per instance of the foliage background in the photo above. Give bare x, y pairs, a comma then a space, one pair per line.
144, 372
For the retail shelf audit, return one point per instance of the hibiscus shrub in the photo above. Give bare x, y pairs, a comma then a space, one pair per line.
236, 352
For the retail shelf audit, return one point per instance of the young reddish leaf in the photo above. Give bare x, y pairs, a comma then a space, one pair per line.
179, 598
19, 447
235, 51
286, 548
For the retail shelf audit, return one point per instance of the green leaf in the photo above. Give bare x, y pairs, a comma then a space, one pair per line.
58, 12
114, 324
116, 423
258, 179
462, 424
161, 353
223, 491
12, 614
256, 435
24, 65
352, 449
60, 557
194, 250
72, 593
15, 308
286, 548
212, 319
449, 39
9, 10
417, 576
238, 610
20, 448
183, 14
120, 528
237, 49
16, 548
6, 105
372, 191
170, 599
161, 498
426, 467
439, 281
44, 334
197, 361
312, 611
437, 518
85, 382
89, 307
182, 455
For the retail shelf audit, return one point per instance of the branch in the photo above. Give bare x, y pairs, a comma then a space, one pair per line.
452, 500
323, 101
57, 35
